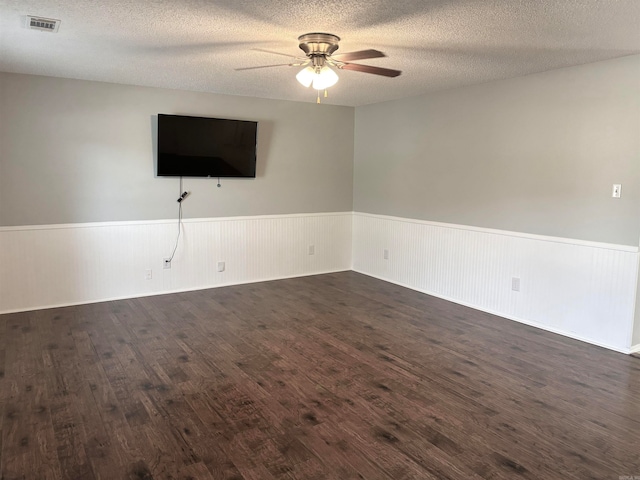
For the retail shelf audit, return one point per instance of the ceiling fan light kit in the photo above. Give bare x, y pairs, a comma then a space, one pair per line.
319, 50
305, 76
320, 77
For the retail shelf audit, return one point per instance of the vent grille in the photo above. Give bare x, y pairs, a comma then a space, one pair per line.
43, 24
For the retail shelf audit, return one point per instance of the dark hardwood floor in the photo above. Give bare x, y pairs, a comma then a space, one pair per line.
329, 377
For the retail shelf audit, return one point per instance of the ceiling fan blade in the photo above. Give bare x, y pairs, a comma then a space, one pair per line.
268, 66
359, 55
272, 52
356, 67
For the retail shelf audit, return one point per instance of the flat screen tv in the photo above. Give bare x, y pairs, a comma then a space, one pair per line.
206, 147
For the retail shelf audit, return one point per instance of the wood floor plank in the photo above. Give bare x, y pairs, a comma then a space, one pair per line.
337, 376
31, 447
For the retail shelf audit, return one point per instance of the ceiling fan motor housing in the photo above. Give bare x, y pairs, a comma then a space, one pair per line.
318, 44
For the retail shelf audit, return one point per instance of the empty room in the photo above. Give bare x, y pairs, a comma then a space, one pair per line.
254, 240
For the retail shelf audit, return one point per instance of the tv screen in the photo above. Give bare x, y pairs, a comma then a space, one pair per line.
206, 147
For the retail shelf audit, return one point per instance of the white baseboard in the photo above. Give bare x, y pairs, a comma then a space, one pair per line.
153, 294
508, 317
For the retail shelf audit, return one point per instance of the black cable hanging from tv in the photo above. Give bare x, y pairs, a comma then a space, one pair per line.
182, 196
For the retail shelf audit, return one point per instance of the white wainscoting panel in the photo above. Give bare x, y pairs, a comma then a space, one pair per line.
55, 265
584, 290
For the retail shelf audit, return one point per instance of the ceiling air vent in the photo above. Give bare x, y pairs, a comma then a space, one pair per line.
43, 24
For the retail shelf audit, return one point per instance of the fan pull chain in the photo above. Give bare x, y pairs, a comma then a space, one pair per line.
318, 100
325, 93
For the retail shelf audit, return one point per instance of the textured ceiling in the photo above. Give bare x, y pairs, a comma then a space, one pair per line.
197, 44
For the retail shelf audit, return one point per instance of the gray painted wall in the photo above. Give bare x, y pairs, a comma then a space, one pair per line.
535, 154
77, 151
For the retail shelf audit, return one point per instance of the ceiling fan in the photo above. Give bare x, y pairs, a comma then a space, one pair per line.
319, 59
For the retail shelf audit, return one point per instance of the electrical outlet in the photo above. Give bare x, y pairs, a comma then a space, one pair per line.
515, 284
312, 249
167, 263
221, 266
385, 254
617, 190
149, 274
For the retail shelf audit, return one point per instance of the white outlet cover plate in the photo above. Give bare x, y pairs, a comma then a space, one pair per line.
617, 190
